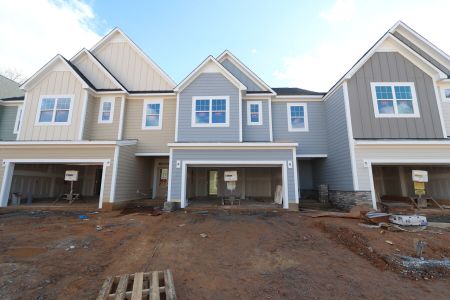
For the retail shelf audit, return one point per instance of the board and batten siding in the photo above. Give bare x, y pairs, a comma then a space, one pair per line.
93, 73
150, 140
313, 141
130, 68
208, 84
7, 122
94, 130
229, 155
243, 78
256, 133
54, 83
392, 67
336, 169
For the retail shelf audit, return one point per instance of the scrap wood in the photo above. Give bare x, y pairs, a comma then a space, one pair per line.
417, 263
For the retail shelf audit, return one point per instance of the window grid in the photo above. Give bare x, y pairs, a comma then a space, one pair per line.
210, 111
54, 110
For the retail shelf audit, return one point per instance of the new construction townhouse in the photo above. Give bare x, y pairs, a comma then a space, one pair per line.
114, 116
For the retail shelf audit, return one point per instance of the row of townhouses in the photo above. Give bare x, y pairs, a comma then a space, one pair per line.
131, 132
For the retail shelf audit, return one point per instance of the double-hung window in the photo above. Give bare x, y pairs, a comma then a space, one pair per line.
106, 111
210, 111
152, 114
446, 95
254, 113
56, 110
297, 114
394, 100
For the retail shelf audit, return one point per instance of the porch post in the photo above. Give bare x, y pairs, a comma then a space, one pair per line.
6, 183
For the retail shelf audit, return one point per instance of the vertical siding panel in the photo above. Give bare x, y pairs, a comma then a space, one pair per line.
399, 67
377, 77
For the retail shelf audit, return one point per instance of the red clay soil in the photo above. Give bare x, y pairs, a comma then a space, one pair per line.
55, 255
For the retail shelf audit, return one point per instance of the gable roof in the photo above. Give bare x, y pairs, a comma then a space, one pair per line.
197, 71
105, 71
285, 91
58, 58
243, 68
9, 88
117, 30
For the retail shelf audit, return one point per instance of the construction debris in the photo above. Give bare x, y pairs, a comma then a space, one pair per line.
410, 220
389, 242
419, 245
203, 235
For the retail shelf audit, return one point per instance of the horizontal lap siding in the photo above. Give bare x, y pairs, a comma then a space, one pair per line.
244, 79
208, 84
101, 131
335, 170
392, 67
229, 155
313, 141
256, 133
7, 121
150, 140
55, 83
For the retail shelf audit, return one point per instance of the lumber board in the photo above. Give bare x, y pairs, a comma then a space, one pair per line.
155, 286
122, 287
106, 288
137, 286
169, 286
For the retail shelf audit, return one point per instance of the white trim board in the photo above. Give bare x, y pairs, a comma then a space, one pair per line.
351, 140
20, 143
401, 142
312, 155
233, 145
150, 154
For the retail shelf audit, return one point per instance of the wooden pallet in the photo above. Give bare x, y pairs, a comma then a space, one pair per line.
149, 285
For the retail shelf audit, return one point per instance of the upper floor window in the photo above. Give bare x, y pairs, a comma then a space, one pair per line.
394, 100
18, 119
210, 111
254, 113
446, 95
297, 117
152, 115
54, 110
106, 111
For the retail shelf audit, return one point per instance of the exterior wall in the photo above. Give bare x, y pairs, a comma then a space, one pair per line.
94, 130
150, 140
229, 155
93, 73
392, 67
208, 84
8, 116
249, 83
305, 178
313, 141
335, 170
133, 175
62, 152
54, 83
256, 133
130, 68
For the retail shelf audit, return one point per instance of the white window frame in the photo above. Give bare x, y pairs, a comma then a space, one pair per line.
144, 113
17, 123
249, 115
211, 124
305, 110
52, 122
445, 99
416, 113
100, 110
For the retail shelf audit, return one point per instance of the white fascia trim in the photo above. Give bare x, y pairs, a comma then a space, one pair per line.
351, 140
305, 117
121, 118
439, 105
257, 96
20, 143
243, 68
138, 50
300, 98
111, 113
143, 154
161, 114
233, 145
185, 82
83, 115
11, 103
112, 192
401, 142
159, 95
260, 113
57, 160
312, 155
18, 119
19, 134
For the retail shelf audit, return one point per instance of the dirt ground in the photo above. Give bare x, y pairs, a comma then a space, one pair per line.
264, 255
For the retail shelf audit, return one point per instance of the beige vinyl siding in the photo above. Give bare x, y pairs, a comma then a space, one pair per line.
133, 175
94, 74
150, 140
62, 152
130, 68
54, 83
94, 130
401, 152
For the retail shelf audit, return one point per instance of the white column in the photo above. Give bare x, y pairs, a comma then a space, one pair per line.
8, 172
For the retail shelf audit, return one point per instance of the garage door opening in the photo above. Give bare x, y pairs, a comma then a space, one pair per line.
206, 185
46, 185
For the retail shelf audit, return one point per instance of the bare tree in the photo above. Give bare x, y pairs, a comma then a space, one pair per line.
13, 74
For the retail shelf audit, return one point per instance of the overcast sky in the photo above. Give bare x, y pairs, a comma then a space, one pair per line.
308, 44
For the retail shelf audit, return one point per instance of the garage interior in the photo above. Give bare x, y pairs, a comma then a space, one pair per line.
254, 185
44, 184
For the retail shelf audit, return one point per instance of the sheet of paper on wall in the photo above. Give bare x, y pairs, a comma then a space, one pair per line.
419, 175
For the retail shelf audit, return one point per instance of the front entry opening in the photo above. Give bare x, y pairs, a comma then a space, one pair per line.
213, 182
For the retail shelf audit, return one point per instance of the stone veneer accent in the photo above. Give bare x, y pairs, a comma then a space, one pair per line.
345, 200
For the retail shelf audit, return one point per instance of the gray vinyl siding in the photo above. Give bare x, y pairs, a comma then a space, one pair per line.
313, 141
392, 67
336, 169
305, 172
256, 133
7, 121
208, 84
229, 155
101, 131
249, 83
